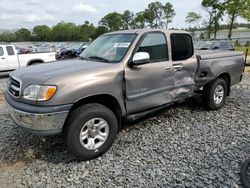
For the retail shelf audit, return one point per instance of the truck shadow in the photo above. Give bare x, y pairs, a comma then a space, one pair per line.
21, 146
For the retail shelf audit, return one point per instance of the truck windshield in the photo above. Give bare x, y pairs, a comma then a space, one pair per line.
108, 48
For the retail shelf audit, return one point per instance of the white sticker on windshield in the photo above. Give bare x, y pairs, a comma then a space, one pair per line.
122, 45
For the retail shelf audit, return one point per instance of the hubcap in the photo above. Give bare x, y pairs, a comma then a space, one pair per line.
94, 133
218, 94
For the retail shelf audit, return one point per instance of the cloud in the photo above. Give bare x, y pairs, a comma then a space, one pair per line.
84, 8
34, 18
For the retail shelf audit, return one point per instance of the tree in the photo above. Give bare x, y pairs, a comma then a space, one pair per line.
42, 33
66, 32
215, 8
169, 13
139, 20
23, 35
99, 31
87, 30
112, 21
235, 8
153, 15
127, 19
194, 18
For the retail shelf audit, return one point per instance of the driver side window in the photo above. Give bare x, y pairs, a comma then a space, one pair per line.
155, 45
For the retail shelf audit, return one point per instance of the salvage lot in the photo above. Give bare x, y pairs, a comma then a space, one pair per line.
184, 146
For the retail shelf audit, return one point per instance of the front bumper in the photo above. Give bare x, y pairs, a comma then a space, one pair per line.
39, 123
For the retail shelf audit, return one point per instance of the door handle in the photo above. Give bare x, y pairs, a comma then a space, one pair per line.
178, 67
3, 58
168, 68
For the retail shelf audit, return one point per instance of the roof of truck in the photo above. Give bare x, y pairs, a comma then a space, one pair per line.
139, 31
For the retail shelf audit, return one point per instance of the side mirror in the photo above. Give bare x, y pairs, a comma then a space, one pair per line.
216, 48
141, 58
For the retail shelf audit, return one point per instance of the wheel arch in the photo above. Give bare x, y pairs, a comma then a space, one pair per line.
226, 76
107, 100
34, 60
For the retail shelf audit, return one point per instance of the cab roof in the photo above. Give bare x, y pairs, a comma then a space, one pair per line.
141, 31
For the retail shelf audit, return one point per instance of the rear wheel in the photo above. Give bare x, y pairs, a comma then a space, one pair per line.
90, 131
214, 94
245, 174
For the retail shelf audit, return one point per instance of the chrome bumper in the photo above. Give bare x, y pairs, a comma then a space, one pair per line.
46, 124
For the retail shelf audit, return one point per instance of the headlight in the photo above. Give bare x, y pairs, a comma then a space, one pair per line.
39, 92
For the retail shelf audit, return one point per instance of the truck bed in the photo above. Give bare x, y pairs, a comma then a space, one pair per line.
211, 64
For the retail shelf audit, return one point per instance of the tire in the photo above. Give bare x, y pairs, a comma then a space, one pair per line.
83, 120
216, 88
244, 174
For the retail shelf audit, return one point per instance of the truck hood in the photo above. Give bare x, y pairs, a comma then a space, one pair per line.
42, 72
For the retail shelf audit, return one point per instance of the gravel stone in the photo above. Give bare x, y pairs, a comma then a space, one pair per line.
182, 146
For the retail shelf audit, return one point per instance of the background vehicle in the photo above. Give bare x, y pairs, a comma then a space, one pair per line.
214, 45
72, 52
11, 60
121, 75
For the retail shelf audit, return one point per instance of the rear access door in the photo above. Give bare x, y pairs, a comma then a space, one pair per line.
184, 63
149, 85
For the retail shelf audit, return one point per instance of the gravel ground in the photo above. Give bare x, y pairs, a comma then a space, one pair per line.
3, 84
183, 146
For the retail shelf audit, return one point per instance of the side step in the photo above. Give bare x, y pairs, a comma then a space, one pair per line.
134, 117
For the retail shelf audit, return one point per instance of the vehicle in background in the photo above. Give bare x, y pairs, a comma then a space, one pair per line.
24, 50
214, 45
121, 76
11, 60
72, 52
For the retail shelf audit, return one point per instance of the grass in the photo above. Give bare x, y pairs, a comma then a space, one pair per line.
243, 49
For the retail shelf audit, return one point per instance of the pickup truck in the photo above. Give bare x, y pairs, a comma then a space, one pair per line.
121, 76
10, 60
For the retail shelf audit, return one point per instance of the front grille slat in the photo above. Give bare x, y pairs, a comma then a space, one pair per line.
14, 87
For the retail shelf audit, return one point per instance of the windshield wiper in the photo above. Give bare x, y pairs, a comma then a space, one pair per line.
99, 58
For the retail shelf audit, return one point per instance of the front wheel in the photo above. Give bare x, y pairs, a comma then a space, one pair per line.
214, 94
90, 131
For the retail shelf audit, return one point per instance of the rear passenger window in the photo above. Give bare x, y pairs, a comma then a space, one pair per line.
226, 45
1, 51
10, 50
156, 45
182, 46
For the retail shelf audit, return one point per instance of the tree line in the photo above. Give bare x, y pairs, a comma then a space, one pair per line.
156, 15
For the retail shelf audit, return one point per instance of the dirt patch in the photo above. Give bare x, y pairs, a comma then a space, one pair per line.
11, 166
247, 70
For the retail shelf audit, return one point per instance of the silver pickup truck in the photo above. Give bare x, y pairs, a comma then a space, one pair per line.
121, 76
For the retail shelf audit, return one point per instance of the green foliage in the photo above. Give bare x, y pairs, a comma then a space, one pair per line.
139, 20
128, 19
23, 35
169, 13
99, 31
194, 18
112, 21
42, 33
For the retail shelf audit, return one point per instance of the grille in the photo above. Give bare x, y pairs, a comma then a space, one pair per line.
14, 87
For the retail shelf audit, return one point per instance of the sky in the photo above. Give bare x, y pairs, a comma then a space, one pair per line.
29, 13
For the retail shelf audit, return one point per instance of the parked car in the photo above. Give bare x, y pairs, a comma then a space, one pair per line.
214, 45
72, 51
121, 75
11, 60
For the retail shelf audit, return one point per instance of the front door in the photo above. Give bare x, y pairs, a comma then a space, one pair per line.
3, 59
149, 85
12, 58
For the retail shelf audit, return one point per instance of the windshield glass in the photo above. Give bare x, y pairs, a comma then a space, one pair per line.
108, 48
203, 45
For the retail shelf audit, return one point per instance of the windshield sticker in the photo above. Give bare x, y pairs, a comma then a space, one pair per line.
122, 45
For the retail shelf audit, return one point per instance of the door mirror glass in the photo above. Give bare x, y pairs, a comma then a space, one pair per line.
141, 58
